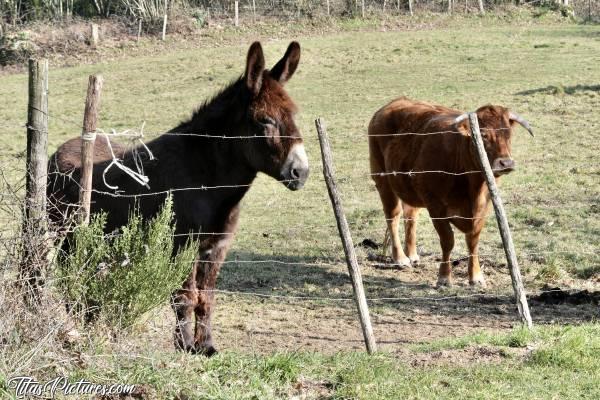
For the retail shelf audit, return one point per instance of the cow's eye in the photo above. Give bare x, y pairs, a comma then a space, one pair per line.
266, 121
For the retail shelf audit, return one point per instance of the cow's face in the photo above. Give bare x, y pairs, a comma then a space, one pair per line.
496, 125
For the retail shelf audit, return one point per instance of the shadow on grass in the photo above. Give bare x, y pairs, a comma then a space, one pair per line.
559, 90
328, 279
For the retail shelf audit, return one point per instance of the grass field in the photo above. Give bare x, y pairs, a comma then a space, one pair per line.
465, 347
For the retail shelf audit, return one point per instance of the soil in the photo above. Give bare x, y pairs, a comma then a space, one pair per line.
264, 325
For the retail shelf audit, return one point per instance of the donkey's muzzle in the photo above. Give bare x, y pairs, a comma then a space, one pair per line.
295, 169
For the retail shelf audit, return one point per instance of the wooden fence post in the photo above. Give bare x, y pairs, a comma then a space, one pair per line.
88, 138
481, 10
164, 28
353, 268
410, 7
237, 16
509, 248
139, 33
94, 35
328, 13
35, 224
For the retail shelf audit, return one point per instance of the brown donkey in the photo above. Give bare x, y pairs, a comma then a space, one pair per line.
258, 115
407, 135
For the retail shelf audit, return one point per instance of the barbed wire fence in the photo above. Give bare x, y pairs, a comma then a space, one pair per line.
12, 192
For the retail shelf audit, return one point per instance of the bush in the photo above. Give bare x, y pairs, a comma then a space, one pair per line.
124, 276
16, 48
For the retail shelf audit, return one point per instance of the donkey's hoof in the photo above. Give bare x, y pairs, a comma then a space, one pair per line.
188, 348
478, 281
444, 281
207, 351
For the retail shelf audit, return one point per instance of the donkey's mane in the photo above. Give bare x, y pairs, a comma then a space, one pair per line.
210, 117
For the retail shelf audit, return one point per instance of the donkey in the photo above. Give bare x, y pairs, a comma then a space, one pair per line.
257, 115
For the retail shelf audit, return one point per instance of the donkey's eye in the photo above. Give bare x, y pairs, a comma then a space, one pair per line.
266, 121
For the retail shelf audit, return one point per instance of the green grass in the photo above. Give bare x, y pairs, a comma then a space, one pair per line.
559, 363
547, 73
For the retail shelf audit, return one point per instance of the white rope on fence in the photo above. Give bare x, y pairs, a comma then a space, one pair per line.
138, 175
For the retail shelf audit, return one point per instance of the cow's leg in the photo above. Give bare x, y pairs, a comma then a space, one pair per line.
444, 230
184, 302
391, 209
475, 274
410, 232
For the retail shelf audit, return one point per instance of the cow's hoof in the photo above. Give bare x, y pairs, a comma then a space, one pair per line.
444, 281
414, 260
207, 351
402, 263
478, 282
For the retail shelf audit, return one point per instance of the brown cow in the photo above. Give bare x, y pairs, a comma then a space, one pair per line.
451, 194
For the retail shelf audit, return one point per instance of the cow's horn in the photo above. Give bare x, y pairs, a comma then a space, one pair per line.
461, 118
517, 118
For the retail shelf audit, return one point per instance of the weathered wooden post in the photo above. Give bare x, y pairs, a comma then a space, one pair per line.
88, 139
410, 7
481, 10
353, 268
164, 27
94, 35
237, 16
509, 248
35, 246
328, 13
139, 33
362, 8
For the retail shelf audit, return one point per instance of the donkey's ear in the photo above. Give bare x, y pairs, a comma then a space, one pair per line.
285, 68
255, 65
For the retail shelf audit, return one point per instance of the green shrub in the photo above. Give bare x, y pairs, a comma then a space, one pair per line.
124, 276
16, 48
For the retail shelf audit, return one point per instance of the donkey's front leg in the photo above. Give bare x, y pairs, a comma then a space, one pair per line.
184, 302
207, 270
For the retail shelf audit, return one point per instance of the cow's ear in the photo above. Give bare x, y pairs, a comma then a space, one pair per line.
285, 68
462, 122
255, 65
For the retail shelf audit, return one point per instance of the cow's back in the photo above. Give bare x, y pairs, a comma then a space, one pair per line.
404, 136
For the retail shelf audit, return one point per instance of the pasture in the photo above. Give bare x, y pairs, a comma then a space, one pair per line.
286, 324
